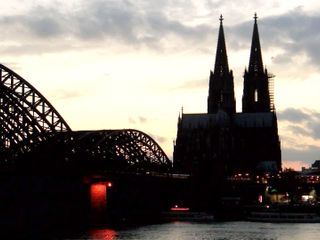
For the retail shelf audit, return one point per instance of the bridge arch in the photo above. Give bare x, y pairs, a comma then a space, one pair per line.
26, 115
29, 124
122, 150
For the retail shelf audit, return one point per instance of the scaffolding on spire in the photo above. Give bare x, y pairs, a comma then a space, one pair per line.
271, 91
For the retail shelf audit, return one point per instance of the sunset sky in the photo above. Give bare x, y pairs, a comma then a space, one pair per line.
113, 64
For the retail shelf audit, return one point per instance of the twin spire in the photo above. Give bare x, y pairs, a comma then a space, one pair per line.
255, 62
256, 96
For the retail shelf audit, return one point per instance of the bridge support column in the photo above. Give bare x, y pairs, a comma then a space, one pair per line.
98, 201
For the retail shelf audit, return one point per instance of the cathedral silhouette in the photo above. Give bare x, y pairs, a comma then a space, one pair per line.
223, 142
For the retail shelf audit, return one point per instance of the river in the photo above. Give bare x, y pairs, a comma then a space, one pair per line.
209, 231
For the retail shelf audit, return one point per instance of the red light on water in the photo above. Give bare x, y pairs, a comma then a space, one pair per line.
103, 234
181, 209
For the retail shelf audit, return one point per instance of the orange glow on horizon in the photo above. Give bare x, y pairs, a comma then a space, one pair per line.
296, 165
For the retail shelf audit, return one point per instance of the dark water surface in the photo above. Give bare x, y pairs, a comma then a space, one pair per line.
206, 231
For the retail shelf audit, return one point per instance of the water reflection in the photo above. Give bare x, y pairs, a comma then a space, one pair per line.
211, 231
103, 234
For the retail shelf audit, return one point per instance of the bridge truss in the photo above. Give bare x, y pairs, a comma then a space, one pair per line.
31, 127
26, 116
125, 150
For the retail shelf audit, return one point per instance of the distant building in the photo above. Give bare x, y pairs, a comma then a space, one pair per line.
316, 164
220, 142
313, 170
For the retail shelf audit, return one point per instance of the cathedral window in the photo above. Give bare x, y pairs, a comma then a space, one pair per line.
256, 95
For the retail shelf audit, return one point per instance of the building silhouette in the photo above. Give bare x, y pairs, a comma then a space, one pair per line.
222, 142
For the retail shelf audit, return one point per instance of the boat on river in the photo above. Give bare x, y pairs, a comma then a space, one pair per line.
177, 213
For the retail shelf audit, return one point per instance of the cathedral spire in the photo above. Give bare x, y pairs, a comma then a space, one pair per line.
256, 94
255, 62
221, 64
221, 87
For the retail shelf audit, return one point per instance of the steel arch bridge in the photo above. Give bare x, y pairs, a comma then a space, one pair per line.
123, 151
29, 124
26, 116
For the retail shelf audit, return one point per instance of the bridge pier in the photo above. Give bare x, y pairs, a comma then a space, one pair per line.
98, 201
133, 198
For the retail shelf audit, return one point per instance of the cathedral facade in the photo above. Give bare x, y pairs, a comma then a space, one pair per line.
222, 141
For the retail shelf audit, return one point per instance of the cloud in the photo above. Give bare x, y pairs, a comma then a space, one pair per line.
307, 155
298, 131
45, 22
302, 122
137, 120
300, 140
314, 127
142, 119
294, 32
159, 139
139, 24
294, 115
40, 21
157, 25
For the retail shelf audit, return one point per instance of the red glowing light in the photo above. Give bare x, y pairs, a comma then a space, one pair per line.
105, 234
109, 184
181, 209
98, 192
